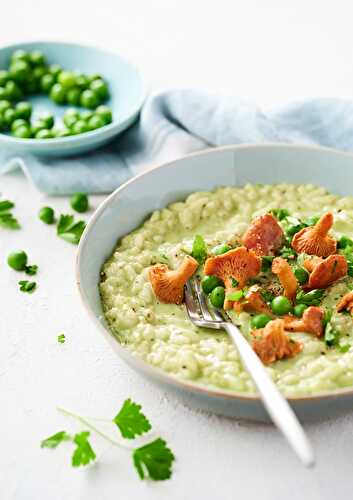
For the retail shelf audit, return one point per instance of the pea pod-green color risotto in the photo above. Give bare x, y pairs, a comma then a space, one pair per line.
161, 333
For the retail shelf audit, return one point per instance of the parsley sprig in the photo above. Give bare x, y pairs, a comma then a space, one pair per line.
70, 230
7, 219
199, 249
153, 460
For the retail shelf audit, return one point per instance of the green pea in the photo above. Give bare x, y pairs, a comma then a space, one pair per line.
47, 119
17, 260
55, 69
3, 93
95, 122
79, 202
46, 214
36, 58
217, 296
23, 110
9, 116
105, 113
86, 115
281, 305
80, 127
89, 99
44, 134
73, 96
37, 127
219, 249
95, 76
46, 82
19, 71
4, 105
4, 77
344, 242
301, 274
31, 85
14, 93
20, 55
39, 72
19, 122
67, 79
72, 112
210, 282
82, 81
260, 320
299, 309
100, 88
2, 123
23, 132
57, 94
69, 120
63, 132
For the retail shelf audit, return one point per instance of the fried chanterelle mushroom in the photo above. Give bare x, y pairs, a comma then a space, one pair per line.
234, 268
346, 303
315, 240
282, 269
255, 303
264, 235
324, 272
310, 322
168, 285
272, 343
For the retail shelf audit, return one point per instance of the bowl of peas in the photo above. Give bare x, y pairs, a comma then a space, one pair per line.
61, 99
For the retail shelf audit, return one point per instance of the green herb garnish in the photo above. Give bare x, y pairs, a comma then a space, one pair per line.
331, 335
267, 296
312, 298
27, 286
7, 220
234, 282
266, 263
70, 230
235, 296
131, 421
153, 460
344, 348
61, 338
199, 249
31, 270
279, 213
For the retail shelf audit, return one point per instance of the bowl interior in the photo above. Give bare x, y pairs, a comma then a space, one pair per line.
125, 209
125, 83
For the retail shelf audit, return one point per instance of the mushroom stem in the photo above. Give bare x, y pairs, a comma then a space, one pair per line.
324, 224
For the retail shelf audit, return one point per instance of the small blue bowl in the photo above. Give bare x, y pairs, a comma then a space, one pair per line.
127, 93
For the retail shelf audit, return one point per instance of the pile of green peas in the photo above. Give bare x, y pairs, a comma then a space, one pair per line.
28, 73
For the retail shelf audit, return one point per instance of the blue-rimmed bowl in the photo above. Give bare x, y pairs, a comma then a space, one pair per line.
129, 206
127, 93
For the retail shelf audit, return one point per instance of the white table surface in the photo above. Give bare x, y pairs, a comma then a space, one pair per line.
271, 52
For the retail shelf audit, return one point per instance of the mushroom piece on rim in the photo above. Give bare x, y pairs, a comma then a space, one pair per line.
168, 285
272, 343
264, 235
315, 240
311, 322
346, 303
327, 271
234, 268
286, 276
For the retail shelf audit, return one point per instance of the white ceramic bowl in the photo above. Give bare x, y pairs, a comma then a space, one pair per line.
129, 205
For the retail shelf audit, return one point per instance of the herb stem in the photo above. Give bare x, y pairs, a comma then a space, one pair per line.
85, 422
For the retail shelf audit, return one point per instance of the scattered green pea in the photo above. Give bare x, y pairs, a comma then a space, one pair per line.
57, 94
79, 202
95, 122
46, 82
19, 122
281, 305
208, 283
67, 79
44, 134
89, 99
79, 127
217, 296
299, 309
23, 110
100, 88
105, 113
73, 96
17, 260
46, 214
23, 132
260, 321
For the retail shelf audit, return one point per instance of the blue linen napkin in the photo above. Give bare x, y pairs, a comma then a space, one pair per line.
177, 122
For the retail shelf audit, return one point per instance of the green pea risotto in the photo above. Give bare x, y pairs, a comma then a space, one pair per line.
291, 279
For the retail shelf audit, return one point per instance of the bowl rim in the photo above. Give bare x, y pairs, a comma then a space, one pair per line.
158, 373
70, 140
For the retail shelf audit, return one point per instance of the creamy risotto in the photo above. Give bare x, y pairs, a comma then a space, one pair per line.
161, 333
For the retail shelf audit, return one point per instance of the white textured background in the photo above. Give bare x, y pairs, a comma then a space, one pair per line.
271, 52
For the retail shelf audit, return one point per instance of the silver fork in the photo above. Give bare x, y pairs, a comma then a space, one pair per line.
282, 415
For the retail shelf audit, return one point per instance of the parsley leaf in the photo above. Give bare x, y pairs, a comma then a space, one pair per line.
6, 205
31, 270
131, 421
331, 335
70, 230
235, 296
154, 460
199, 249
54, 440
8, 221
279, 213
27, 286
61, 338
83, 453
266, 263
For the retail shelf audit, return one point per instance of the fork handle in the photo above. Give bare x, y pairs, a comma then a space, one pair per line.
277, 406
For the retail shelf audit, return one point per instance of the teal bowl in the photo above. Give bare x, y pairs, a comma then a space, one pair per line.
127, 93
